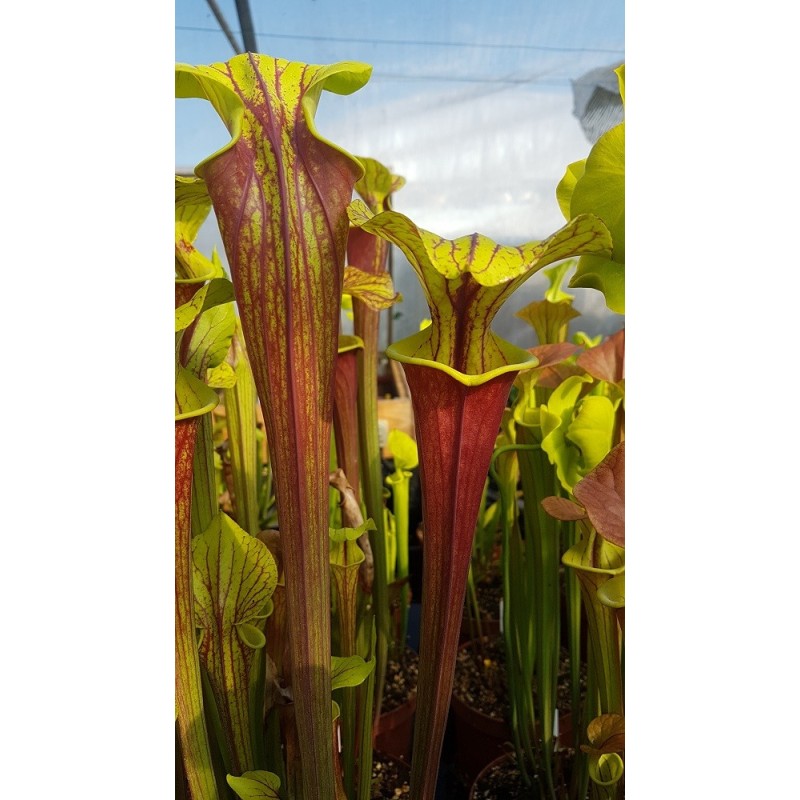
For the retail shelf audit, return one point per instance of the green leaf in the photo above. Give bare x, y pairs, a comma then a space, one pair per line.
566, 187
347, 343
192, 396
345, 553
606, 769
234, 575
549, 319
612, 593
592, 430
351, 534
346, 558
564, 398
192, 205
210, 339
214, 293
220, 290
596, 555
240, 408
349, 671
601, 188
221, 377
256, 785
555, 418
582, 339
554, 293
605, 276
375, 290
601, 191
267, 610
403, 449
187, 313
251, 635
377, 184
203, 345
467, 280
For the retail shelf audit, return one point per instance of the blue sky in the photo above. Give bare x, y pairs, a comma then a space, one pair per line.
471, 102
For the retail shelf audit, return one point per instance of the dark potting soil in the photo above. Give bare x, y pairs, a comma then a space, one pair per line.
480, 679
390, 779
401, 679
501, 782
504, 781
489, 591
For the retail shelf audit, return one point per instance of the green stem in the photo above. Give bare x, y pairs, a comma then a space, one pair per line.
220, 751
267, 512
573, 595
346, 558
590, 709
476, 634
596, 561
346, 605
204, 486
516, 614
273, 743
539, 481
257, 688
523, 636
400, 483
366, 321
365, 694
240, 408
509, 628
602, 632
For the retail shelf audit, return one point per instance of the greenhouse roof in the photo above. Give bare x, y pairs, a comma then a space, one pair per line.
473, 103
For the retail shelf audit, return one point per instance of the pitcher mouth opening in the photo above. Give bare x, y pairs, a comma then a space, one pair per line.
516, 359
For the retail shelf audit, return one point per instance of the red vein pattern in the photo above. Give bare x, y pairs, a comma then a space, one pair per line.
188, 697
279, 194
456, 429
345, 416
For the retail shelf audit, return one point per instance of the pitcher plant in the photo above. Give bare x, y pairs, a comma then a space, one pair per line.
280, 192
460, 374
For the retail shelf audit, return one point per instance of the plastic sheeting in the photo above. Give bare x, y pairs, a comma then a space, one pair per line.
472, 102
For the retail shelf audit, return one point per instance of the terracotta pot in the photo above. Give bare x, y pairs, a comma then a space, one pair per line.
564, 740
490, 628
395, 729
478, 739
485, 771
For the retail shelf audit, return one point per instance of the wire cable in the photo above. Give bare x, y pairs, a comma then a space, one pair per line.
237, 48
483, 45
